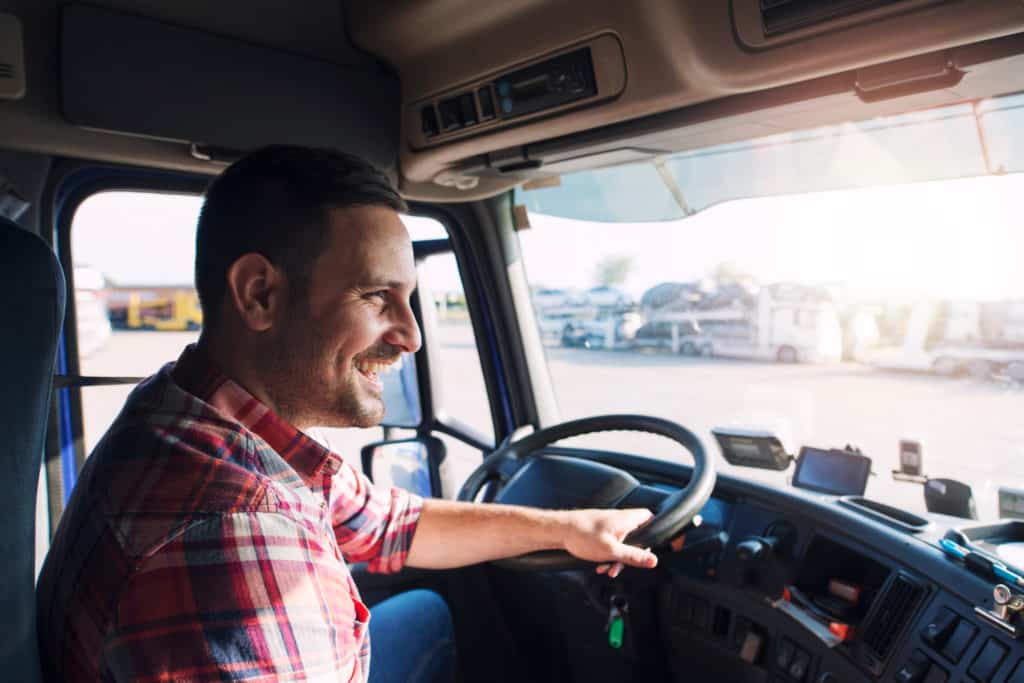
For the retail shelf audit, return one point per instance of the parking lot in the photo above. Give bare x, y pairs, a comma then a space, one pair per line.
972, 431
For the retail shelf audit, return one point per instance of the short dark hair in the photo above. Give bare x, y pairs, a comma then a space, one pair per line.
275, 202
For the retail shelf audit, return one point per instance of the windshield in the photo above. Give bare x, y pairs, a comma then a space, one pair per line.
886, 318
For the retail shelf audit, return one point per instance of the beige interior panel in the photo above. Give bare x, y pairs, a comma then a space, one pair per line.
678, 53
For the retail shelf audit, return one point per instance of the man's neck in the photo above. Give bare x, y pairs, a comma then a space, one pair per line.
235, 361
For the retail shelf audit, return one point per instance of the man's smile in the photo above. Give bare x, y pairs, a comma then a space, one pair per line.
372, 369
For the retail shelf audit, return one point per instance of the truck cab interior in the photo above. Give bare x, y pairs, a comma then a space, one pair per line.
557, 146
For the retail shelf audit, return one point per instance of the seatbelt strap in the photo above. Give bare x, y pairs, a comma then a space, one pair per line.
65, 381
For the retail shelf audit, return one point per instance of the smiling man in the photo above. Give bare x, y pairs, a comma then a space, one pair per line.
208, 536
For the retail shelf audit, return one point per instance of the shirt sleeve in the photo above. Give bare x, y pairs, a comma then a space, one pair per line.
373, 524
245, 596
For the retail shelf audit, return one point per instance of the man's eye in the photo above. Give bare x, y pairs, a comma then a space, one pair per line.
381, 294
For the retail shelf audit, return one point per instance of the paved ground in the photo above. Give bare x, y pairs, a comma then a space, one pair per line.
970, 431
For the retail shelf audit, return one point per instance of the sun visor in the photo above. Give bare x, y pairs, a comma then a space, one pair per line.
132, 75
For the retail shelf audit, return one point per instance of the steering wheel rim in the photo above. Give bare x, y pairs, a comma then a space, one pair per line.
672, 515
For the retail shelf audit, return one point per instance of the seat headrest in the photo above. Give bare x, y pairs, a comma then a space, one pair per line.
32, 295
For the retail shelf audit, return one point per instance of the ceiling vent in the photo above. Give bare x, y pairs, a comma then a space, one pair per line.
12, 59
781, 16
892, 610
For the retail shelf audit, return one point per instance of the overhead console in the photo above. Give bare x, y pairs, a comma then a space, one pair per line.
662, 74
586, 73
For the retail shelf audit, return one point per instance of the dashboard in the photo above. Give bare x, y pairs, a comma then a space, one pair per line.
800, 594
783, 585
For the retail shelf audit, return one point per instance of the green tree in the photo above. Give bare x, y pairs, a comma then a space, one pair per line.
613, 270
727, 273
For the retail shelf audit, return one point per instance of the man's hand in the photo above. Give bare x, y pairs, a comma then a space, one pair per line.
596, 535
455, 534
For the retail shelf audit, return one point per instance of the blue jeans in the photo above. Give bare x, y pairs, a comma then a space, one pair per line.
411, 640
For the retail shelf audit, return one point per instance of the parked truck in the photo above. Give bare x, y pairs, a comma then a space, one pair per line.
979, 340
786, 322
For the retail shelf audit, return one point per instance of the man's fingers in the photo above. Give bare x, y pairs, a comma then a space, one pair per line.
635, 557
602, 568
634, 517
615, 570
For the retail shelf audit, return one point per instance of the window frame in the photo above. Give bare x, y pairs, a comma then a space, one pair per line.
75, 182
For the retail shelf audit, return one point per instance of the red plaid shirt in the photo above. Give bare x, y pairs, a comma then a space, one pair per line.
207, 538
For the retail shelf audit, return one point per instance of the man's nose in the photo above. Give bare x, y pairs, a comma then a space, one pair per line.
405, 332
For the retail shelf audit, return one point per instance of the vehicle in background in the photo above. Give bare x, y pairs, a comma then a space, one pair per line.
548, 298
161, 309
607, 297
556, 321
90, 310
958, 339
785, 322
686, 338
607, 330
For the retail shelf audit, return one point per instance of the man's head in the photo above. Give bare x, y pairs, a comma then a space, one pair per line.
304, 272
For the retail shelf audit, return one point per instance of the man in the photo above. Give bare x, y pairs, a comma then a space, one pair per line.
208, 536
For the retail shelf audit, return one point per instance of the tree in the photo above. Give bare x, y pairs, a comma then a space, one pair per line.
727, 273
613, 270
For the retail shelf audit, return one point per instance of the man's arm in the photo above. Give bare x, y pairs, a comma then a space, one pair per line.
453, 534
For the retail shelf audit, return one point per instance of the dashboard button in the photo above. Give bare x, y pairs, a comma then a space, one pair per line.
467, 108
428, 121
988, 660
960, 640
914, 669
799, 666
938, 631
936, 674
784, 654
486, 103
451, 118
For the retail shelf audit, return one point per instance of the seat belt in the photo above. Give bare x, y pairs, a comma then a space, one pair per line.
68, 381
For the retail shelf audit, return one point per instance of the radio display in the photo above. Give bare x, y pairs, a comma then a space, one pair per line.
551, 83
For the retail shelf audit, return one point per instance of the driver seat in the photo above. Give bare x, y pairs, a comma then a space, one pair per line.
32, 303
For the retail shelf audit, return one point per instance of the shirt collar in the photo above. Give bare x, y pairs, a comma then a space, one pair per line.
198, 375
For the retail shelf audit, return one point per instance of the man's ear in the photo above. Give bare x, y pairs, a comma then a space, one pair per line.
255, 290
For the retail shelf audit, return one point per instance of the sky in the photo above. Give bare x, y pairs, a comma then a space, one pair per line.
952, 239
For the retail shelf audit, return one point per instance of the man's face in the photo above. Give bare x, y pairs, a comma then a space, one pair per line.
333, 341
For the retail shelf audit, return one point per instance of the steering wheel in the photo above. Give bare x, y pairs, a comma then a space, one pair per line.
521, 462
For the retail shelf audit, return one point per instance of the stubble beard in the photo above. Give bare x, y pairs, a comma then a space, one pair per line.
307, 384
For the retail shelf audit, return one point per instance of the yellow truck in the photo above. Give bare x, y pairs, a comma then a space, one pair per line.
178, 313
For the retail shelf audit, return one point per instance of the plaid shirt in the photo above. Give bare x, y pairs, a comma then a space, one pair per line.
207, 540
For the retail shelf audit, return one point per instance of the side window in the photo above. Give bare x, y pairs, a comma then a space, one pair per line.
136, 309
135, 304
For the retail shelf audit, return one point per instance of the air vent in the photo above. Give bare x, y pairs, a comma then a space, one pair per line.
780, 16
12, 69
892, 610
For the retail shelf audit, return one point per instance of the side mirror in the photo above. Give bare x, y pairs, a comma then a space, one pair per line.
950, 497
412, 464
